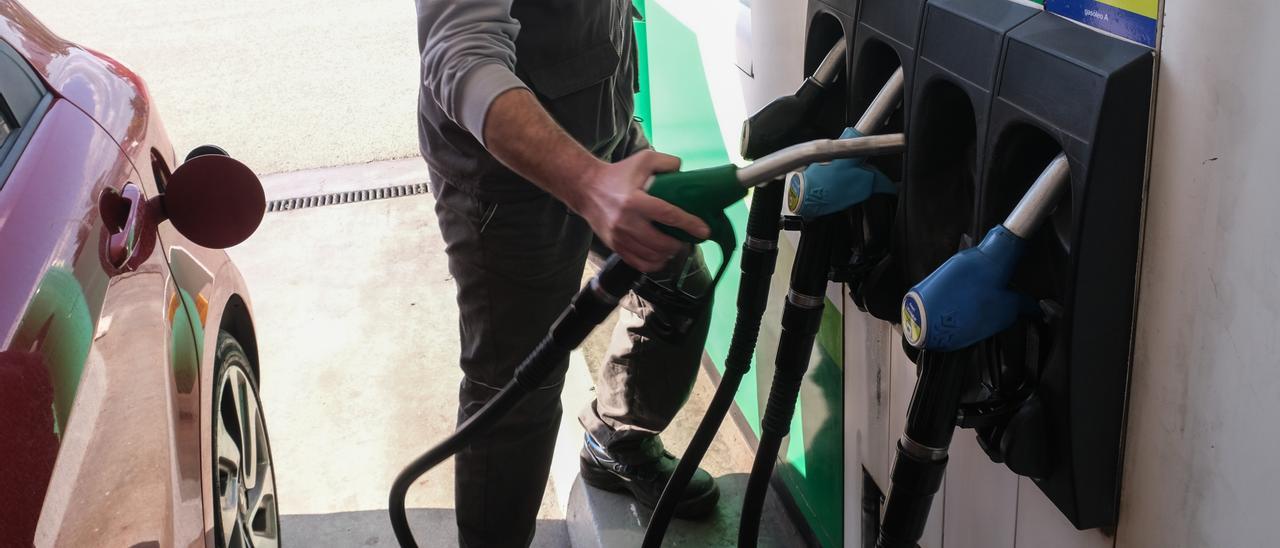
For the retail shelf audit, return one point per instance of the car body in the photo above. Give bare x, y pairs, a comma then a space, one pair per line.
107, 331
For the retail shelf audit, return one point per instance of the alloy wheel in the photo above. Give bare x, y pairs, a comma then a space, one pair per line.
245, 485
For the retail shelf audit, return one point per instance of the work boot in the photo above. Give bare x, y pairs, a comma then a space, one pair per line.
646, 480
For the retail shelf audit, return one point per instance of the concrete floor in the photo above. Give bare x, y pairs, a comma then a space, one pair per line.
283, 85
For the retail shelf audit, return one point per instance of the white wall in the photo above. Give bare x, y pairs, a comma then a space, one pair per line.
1201, 465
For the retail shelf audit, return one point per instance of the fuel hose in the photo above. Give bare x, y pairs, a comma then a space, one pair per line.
589, 307
759, 256
801, 318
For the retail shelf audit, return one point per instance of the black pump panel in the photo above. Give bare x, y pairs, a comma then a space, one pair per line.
846, 8
1064, 87
959, 54
885, 37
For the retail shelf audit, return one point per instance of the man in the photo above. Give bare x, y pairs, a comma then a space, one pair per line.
525, 120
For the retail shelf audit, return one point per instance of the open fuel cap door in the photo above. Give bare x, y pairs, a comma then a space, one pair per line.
213, 200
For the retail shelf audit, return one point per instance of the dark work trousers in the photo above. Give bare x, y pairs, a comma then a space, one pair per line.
516, 266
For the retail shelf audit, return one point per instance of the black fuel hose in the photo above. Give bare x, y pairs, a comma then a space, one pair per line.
801, 317
588, 309
922, 451
759, 256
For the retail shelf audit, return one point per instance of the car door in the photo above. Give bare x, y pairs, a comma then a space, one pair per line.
87, 324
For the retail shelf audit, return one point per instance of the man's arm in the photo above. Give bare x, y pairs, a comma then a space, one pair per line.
521, 134
468, 56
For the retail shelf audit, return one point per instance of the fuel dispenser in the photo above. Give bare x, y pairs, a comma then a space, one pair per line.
832, 188
1019, 120
1033, 124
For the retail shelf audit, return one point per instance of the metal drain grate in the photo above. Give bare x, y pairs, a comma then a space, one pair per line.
351, 197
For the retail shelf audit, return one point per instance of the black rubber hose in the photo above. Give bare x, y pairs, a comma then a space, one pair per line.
801, 318
759, 256
588, 309
922, 451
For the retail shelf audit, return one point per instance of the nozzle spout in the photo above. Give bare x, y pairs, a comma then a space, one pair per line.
1040, 199
883, 105
779, 163
831, 65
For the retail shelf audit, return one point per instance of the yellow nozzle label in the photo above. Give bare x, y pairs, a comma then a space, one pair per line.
913, 322
795, 191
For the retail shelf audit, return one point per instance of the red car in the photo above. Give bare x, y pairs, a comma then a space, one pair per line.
129, 413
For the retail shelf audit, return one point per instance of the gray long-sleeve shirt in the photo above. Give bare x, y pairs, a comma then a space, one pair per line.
578, 57
468, 56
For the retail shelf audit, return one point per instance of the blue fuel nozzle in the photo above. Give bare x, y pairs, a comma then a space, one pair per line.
830, 187
967, 299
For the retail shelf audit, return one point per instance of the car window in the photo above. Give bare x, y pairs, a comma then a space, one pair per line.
23, 98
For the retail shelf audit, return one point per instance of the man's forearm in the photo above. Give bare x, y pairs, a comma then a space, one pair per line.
522, 135
609, 196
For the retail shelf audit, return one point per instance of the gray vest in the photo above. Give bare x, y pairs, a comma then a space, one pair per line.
579, 58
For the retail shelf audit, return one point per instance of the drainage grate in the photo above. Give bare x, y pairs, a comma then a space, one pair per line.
336, 198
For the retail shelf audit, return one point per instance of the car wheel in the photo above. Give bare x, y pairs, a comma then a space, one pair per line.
244, 489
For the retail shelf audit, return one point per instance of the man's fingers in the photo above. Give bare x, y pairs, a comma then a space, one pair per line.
659, 241
661, 163
640, 264
638, 256
663, 212
643, 247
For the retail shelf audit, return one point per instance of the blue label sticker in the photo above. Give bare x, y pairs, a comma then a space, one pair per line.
1139, 27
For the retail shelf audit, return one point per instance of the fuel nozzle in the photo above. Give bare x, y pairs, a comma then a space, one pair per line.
830, 187
968, 299
786, 120
827, 188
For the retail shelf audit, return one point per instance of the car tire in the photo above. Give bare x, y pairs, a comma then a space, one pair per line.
245, 511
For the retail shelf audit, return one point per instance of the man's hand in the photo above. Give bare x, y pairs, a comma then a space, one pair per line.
621, 213
610, 197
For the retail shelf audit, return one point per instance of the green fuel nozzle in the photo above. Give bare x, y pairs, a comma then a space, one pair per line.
706, 193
